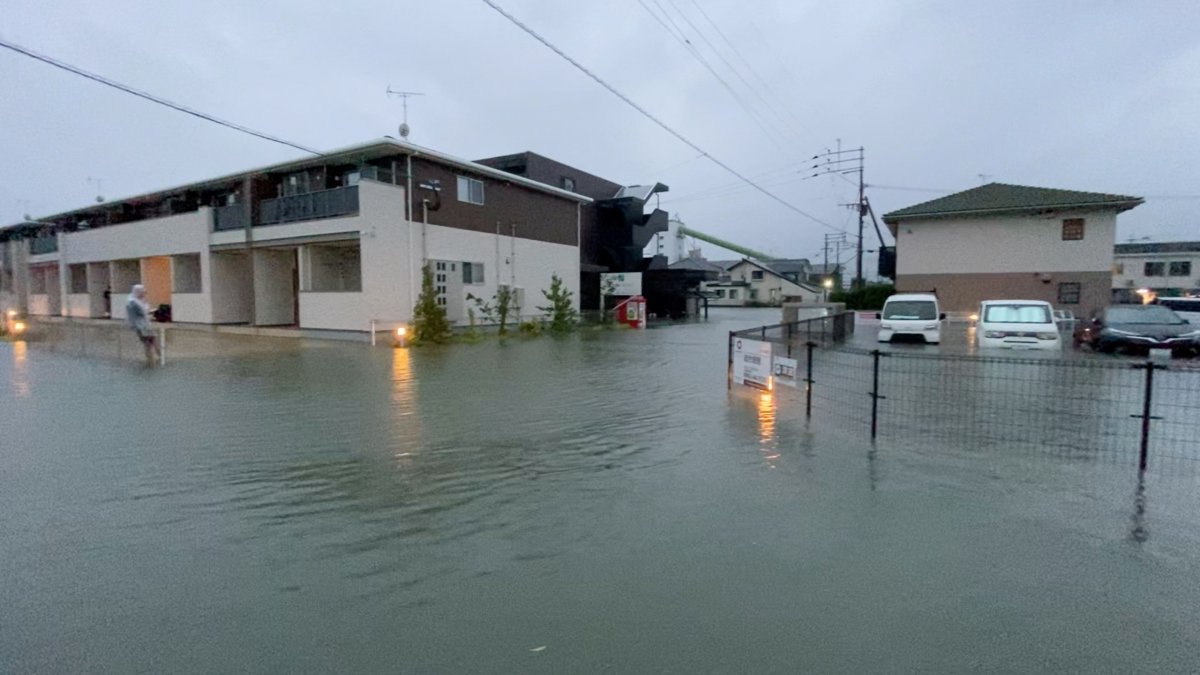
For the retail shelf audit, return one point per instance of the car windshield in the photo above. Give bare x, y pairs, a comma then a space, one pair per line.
910, 309
1017, 314
1143, 314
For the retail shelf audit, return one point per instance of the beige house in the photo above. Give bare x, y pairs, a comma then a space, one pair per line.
1010, 241
748, 282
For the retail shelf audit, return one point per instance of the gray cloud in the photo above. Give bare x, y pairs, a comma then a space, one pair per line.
1093, 96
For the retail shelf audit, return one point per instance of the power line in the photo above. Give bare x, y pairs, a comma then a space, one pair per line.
677, 32
628, 101
769, 104
149, 97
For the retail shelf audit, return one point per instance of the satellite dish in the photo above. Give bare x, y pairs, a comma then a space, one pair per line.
404, 130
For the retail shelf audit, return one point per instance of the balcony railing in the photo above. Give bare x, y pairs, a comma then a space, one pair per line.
40, 245
229, 217
341, 201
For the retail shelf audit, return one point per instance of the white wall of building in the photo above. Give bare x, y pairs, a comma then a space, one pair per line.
183, 233
78, 305
1129, 271
334, 311
1005, 244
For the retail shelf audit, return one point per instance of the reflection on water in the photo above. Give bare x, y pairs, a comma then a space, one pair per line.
327, 507
19, 379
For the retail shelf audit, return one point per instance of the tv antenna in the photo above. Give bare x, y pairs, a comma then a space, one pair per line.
404, 128
99, 183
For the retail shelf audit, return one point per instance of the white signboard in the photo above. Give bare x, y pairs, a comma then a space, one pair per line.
621, 283
752, 363
785, 371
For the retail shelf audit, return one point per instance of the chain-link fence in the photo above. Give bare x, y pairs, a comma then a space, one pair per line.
1103, 409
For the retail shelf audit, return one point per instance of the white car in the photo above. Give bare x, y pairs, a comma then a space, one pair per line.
1017, 324
911, 315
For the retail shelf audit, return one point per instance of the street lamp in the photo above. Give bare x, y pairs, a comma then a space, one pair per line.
828, 284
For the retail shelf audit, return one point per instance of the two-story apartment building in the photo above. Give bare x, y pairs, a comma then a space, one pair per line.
334, 242
1010, 241
1166, 268
748, 282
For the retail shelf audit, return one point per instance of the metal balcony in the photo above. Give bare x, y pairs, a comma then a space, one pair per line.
341, 201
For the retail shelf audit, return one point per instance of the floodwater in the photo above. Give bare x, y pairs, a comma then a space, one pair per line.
599, 503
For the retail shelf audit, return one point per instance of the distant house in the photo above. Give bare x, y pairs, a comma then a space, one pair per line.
1010, 241
748, 282
1168, 268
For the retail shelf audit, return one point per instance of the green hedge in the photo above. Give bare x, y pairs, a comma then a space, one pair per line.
871, 296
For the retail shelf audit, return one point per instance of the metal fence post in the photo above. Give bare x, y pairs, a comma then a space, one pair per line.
729, 363
876, 355
787, 338
808, 380
1147, 400
162, 346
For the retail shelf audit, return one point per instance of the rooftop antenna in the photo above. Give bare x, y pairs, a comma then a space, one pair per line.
99, 183
404, 128
984, 178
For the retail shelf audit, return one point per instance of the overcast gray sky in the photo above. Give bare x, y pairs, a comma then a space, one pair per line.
1101, 96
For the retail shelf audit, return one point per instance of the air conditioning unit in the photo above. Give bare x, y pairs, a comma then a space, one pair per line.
518, 296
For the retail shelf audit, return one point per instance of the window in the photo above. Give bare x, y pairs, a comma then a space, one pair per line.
1154, 269
753, 293
756, 275
919, 310
568, 184
720, 292
1017, 314
472, 273
78, 278
1072, 229
1068, 293
470, 190
185, 273
1181, 268
733, 294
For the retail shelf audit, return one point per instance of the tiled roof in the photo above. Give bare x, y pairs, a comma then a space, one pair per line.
1000, 198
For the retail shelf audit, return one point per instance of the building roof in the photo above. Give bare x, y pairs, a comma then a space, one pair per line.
772, 272
1001, 198
368, 150
1159, 247
699, 264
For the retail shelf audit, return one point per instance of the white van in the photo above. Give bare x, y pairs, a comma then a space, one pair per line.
911, 315
1017, 324
1187, 308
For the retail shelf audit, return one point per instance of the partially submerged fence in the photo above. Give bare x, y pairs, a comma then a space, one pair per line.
1109, 409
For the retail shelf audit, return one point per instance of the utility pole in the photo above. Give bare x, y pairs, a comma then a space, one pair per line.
844, 162
404, 128
837, 239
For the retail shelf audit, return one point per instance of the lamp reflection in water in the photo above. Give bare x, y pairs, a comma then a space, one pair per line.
766, 428
404, 406
20, 373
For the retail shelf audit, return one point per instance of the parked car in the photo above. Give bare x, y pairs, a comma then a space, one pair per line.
1138, 329
1017, 324
1186, 308
913, 316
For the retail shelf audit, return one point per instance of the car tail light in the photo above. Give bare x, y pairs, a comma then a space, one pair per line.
994, 334
1047, 336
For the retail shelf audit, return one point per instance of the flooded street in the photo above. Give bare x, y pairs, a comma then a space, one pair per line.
598, 503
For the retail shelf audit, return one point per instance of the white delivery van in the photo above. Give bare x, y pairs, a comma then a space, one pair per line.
911, 315
1017, 324
1187, 308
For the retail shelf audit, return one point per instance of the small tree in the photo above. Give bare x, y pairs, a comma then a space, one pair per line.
429, 319
560, 312
495, 312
